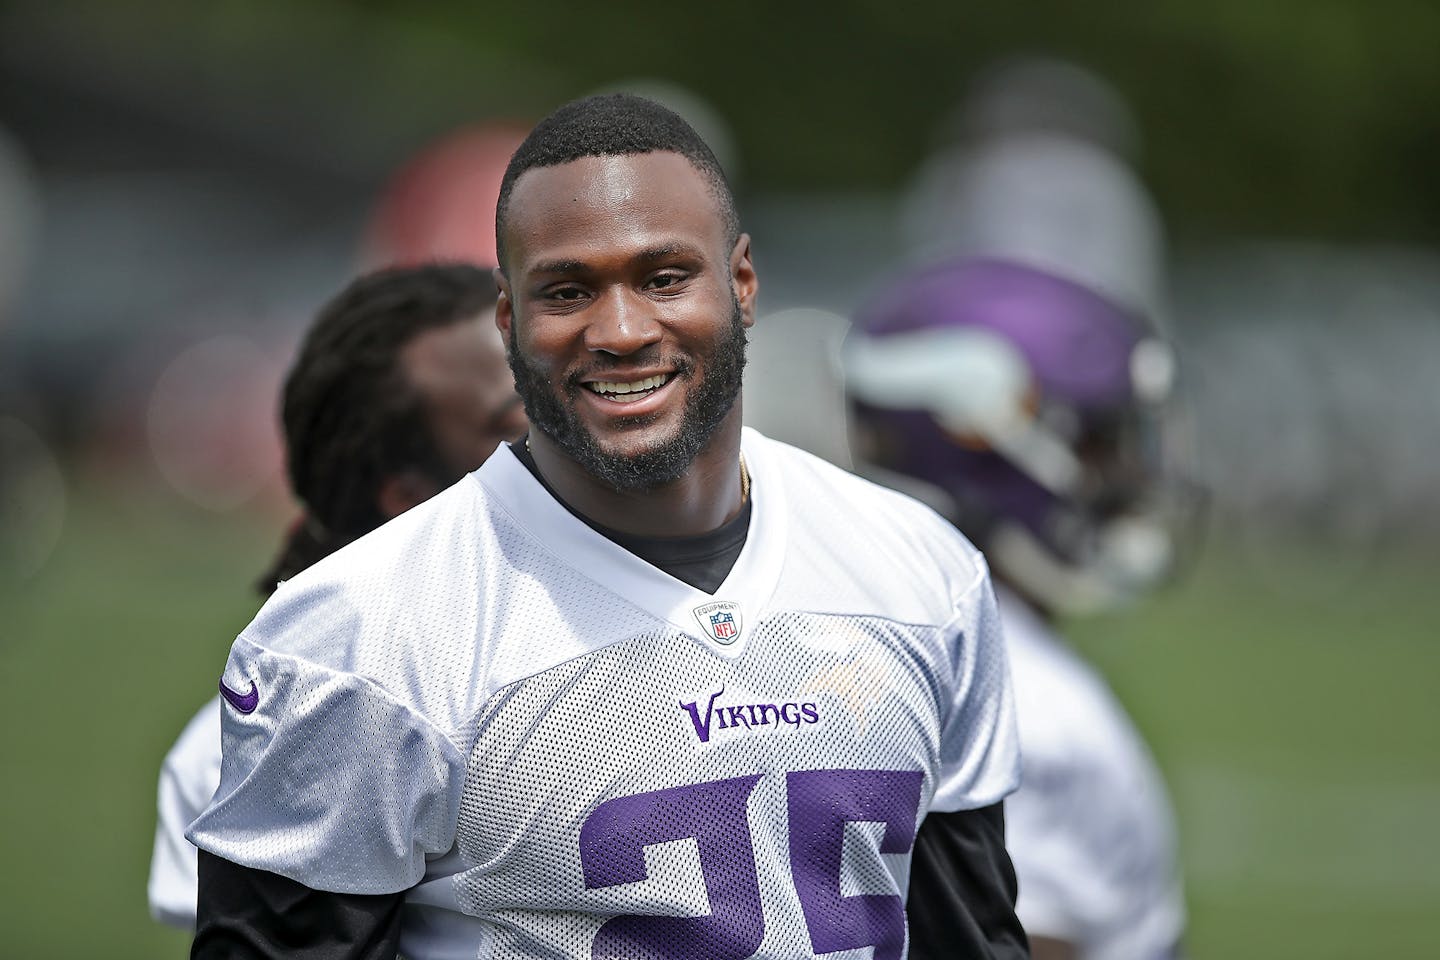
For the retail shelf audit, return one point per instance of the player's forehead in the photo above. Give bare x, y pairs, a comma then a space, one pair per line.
611, 207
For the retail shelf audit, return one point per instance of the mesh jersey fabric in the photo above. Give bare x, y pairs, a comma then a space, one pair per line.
1090, 830
560, 750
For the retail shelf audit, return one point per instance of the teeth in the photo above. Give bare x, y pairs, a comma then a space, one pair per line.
639, 386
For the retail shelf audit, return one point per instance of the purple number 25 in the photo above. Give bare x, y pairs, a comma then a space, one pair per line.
821, 802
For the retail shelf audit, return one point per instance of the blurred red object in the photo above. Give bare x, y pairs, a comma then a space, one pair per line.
441, 204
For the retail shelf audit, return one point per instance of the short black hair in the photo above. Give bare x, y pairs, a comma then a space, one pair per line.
349, 415
613, 125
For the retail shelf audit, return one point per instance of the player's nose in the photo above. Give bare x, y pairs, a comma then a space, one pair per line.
622, 323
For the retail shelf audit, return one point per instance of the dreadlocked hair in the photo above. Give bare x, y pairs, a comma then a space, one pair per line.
350, 417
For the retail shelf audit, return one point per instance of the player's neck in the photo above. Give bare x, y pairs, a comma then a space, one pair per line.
704, 498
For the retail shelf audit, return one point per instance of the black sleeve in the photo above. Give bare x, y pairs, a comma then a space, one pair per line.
247, 914
962, 889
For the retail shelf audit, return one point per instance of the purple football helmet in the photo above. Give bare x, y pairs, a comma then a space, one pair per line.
1028, 409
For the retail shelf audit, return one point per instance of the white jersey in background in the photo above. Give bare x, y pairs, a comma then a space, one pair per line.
1090, 829
552, 744
188, 779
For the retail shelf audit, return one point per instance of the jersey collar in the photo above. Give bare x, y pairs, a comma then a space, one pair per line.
750, 584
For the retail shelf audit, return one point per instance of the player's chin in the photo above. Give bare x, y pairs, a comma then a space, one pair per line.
635, 438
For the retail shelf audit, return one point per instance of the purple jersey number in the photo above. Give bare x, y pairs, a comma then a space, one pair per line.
612, 850
821, 802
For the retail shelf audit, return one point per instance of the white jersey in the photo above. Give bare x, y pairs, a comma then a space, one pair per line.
559, 750
188, 779
1090, 829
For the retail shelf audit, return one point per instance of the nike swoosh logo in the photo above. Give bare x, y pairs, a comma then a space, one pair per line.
244, 702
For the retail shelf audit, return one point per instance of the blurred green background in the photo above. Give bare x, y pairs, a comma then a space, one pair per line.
208, 170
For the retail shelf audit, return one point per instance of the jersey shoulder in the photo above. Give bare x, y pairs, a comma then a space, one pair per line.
478, 587
888, 553
365, 582
395, 611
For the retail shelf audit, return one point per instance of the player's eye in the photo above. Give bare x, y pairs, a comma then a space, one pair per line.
664, 280
564, 294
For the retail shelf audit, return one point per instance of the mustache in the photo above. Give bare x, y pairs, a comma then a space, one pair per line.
604, 363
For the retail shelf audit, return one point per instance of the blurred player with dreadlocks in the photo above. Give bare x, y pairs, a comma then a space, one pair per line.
399, 389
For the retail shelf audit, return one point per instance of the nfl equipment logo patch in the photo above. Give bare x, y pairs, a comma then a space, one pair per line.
720, 620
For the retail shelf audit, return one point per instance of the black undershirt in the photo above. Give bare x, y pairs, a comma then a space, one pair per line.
962, 885
702, 561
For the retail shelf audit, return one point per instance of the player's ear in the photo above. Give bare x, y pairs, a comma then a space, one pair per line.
504, 307
400, 491
742, 278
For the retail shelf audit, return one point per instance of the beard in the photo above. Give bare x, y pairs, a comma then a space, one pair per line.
552, 411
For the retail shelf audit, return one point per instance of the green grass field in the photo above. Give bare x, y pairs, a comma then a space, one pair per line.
1291, 702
